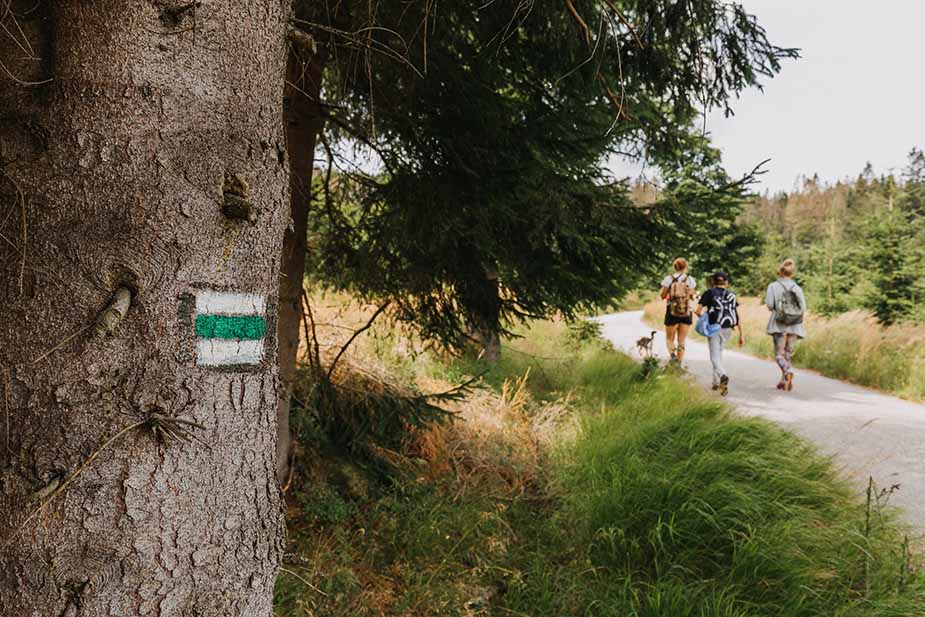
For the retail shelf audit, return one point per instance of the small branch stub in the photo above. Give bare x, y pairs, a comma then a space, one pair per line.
236, 204
303, 40
115, 312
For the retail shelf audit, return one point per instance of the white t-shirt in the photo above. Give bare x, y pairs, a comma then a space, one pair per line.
691, 281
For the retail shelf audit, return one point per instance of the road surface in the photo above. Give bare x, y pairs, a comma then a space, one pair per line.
869, 434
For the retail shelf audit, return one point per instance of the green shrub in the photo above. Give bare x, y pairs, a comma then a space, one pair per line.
582, 332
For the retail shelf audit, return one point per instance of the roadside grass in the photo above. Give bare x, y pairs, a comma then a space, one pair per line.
572, 484
852, 346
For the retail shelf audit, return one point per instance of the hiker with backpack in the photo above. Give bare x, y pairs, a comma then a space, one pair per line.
678, 290
785, 300
722, 316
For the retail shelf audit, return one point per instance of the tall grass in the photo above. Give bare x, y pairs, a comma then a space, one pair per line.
574, 484
852, 346
676, 508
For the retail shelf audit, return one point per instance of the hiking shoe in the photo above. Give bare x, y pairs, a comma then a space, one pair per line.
715, 387
789, 382
781, 385
724, 385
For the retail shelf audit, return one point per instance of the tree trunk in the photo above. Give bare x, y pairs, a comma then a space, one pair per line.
488, 343
303, 125
149, 177
481, 296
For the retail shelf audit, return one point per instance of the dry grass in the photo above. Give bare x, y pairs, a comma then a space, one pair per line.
852, 346
498, 439
455, 481
337, 316
493, 434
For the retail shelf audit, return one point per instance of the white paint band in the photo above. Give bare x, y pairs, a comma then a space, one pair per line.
229, 303
218, 352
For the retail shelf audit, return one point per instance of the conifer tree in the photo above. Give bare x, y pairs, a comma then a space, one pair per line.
895, 259
495, 203
913, 196
704, 207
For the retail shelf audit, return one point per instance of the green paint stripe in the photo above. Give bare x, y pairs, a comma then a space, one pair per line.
240, 327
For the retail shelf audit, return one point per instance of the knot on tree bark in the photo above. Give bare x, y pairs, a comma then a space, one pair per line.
236, 205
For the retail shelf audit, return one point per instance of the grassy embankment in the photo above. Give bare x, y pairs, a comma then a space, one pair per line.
852, 346
574, 484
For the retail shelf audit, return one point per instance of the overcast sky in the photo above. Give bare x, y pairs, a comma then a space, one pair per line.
856, 95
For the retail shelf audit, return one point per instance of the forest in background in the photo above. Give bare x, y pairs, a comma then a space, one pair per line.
857, 244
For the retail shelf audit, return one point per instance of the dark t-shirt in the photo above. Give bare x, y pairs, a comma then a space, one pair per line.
722, 305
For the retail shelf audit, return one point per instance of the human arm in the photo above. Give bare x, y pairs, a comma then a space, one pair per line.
738, 318
664, 293
704, 299
769, 297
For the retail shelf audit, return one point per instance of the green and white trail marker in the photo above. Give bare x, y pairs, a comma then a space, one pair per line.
230, 328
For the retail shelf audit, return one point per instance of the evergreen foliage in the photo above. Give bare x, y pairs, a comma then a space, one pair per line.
913, 197
705, 208
494, 203
857, 244
895, 261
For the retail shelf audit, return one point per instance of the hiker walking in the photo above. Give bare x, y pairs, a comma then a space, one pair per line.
785, 300
679, 290
722, 307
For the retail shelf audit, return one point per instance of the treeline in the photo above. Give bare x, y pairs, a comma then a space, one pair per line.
857, 244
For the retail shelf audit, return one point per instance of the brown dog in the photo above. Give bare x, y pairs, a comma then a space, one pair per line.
644, 345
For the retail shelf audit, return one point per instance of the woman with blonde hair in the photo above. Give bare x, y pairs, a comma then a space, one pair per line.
785, 300
678, 290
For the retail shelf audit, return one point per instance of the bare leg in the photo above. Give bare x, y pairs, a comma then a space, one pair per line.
683, 329
671, 333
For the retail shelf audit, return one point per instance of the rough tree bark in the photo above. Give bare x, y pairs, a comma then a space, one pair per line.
303, 126
140, 167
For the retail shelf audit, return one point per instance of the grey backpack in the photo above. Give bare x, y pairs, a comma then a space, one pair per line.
789, 312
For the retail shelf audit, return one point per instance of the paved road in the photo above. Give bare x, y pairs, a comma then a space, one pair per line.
869, 434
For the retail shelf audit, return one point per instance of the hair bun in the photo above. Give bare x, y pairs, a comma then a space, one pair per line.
787, 268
